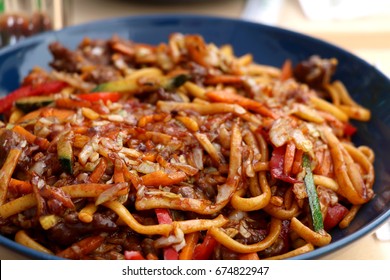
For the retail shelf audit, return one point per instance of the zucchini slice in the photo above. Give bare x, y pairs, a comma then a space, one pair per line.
31, 103
172, 83
315, 207
134, 86
65, 152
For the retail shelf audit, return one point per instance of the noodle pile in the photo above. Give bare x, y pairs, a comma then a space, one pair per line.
181, 150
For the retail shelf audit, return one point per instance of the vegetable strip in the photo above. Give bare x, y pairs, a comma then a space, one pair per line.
315, 207
6, 172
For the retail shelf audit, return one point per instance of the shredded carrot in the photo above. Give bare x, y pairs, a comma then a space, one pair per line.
67, 103
118, 171
99, 171
297, 165
223, 79
80, 129
60, 114
6, 172
81, 248
30, 138
191, 241
160, 178
233, 98
324, 163
287, 70
149, 156
131, 177
43, 143
289, 158
21, 187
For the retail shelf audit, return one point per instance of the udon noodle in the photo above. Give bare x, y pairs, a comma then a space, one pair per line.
181, 150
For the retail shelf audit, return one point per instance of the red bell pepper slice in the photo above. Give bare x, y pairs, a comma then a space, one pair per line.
276, 165
133, 255
334, 215
170, 254
349, 129
104, 96
204, 250
30, 90
164, 217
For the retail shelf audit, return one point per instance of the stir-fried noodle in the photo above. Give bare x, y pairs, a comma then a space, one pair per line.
179, 151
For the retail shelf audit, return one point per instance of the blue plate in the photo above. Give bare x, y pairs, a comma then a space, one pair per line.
269, 45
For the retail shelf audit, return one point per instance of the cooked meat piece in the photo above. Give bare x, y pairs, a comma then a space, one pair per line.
66, 60
315, 71
92, 59
101, 74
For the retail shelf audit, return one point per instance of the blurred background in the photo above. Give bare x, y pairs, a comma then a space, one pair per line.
359, 26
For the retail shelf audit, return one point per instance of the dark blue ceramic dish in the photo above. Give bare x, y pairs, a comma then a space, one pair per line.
269, 45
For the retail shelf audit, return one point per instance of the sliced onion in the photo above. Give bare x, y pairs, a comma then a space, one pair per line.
198, 158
